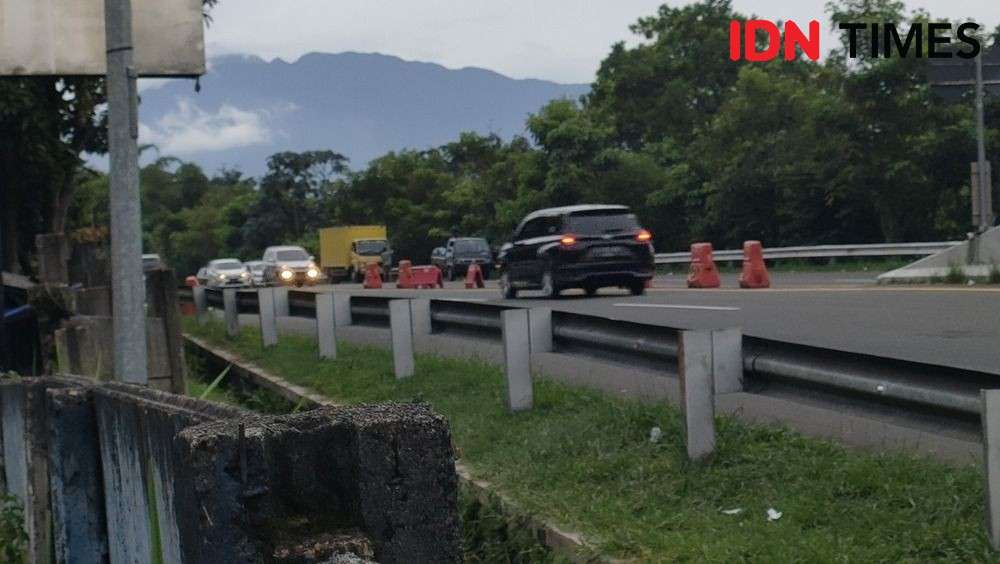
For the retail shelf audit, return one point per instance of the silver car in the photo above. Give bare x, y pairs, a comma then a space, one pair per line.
226, 273
256, 268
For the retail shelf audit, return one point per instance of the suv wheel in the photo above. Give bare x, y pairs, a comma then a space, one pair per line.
549, 289
507, 291
590, 290
637, 288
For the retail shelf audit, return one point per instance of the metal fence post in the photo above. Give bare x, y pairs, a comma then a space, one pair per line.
326, 326
991, 458
540, 321
232, 313
694, 359
517, 359
266, 315
401, 324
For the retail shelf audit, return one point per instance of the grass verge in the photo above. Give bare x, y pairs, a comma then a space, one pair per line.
583, 460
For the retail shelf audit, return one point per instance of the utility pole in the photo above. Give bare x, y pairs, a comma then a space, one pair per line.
128, 290
985, 184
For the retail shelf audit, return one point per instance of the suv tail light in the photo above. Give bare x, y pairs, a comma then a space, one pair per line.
568, 240
644, 236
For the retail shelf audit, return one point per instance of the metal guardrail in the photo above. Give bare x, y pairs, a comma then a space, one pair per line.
822, 251
903, 384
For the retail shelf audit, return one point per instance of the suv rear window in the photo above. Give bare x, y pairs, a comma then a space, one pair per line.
599, 223
471, 246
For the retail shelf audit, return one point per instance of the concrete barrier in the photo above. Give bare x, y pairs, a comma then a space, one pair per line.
80, 532
185, 480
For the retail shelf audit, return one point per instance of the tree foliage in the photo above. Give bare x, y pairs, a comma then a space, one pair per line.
700, 147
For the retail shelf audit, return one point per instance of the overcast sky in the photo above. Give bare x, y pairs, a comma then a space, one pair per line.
561, 40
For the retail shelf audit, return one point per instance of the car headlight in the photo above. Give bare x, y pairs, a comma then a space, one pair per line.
244, 275
286, 275
312, 273
222, 276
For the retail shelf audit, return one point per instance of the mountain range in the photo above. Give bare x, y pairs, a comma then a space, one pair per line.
360, 105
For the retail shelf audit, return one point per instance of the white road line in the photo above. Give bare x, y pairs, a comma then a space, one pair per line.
670, 306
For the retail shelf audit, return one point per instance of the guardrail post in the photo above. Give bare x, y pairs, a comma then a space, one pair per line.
517, 359
326, 323
268, 324
694, 359
420, 309
540, 321
727, 360
232, 313
200, 304
281, 308
991, 458
342, 310
401, 325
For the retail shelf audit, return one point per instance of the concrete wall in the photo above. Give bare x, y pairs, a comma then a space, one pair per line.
198, 482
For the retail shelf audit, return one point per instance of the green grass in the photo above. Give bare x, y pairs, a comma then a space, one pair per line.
583, 460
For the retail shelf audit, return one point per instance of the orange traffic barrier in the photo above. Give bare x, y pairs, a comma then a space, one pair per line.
191, 281
754, 273
703, 273
427, 277
405, 277
474, 277
373, 277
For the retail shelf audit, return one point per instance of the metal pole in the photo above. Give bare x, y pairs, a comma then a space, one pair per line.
127, 286
985, 213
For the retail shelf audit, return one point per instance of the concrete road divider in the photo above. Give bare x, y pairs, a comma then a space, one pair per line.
754, 273
373, 277
703, 273
281, 306
474, 277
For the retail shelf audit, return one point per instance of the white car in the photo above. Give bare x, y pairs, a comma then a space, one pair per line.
226, 273
289, 265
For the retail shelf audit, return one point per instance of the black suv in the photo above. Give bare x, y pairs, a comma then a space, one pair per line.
588, 247
459, 252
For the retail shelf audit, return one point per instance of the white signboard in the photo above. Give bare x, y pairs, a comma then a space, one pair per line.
66, 37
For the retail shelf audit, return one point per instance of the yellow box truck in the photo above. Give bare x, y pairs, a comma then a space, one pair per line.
345, 252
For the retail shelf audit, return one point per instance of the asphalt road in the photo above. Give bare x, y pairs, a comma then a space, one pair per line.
954, 326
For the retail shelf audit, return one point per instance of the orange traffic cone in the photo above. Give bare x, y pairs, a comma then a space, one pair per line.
703, 272
405, 278
373, 277
474, 277
754, 273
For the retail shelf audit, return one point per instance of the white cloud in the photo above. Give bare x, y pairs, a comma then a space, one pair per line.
189, 129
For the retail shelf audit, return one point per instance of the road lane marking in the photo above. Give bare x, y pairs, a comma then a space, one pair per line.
671, 306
